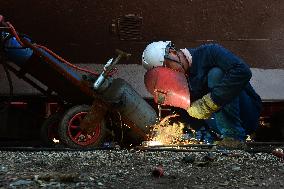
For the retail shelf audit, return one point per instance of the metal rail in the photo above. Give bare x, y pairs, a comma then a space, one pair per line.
60, 149
252, 147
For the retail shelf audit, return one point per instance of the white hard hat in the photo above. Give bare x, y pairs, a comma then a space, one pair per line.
153, 55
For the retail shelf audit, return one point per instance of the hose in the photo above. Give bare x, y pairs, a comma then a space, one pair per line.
65, 61
14, 33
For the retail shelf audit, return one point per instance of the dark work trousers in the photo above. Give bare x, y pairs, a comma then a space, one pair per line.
236, 119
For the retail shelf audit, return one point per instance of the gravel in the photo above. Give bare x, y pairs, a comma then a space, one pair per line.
133, 169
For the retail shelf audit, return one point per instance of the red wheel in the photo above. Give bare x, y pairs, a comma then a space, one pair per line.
76, 134
73, 136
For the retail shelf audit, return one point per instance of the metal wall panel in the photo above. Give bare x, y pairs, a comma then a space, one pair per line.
84, 31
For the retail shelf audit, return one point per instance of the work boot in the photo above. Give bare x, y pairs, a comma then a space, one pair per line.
204, 136
231, 143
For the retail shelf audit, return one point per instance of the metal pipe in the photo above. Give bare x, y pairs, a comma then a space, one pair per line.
265, 143
176, 150
183, 145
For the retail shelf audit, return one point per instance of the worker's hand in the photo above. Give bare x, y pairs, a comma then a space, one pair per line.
203, 108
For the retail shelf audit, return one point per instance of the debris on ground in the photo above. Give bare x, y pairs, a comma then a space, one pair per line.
134, 169
278, 152
158, 171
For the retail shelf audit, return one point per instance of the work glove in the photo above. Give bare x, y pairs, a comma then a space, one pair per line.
203, 108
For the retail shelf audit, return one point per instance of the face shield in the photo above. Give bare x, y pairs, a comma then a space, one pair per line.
168, 87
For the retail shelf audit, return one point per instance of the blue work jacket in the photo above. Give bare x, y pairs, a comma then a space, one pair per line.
236, 74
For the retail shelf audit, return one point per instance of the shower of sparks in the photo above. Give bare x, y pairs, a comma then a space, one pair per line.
167, 133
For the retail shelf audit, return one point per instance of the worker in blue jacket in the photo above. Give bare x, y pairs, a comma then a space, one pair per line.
219, 86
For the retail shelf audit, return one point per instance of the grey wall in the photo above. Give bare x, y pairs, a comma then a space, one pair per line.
269, 83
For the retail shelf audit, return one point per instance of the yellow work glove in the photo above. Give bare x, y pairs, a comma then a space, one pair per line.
203, 108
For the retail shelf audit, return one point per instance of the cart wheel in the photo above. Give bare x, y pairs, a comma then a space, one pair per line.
72, 135
48, 130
